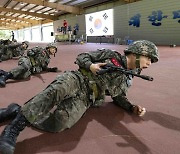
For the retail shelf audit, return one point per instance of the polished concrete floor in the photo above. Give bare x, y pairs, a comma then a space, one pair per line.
108, 129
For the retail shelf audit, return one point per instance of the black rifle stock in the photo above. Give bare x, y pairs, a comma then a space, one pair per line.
111, 68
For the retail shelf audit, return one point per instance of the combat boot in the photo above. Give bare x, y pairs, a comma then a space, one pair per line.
10, 133
2, 72
5, 77
10, 112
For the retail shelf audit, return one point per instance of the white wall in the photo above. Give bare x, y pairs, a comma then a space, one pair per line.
36, 34
40, 33
27, 35
46, 33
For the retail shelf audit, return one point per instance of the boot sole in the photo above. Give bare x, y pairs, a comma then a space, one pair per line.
6, 148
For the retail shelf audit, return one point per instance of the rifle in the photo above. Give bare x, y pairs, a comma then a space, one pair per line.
108, 68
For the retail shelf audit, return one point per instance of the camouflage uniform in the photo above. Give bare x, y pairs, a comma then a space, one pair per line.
11, 50
36, 61
3, 47
18, 51
68, 97
72, 93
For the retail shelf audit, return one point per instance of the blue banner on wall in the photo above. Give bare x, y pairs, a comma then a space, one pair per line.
155, 18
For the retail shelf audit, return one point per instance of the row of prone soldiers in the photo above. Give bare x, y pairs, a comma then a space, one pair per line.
11, 49
30, 61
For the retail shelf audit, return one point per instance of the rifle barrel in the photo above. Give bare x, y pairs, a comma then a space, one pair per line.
111, 68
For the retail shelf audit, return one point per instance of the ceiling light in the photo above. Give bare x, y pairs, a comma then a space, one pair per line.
21, 3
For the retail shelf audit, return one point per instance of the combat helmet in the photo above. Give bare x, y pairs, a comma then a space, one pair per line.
27, 43
145, 48
51, 45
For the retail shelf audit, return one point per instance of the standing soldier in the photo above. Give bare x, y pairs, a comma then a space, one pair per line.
13, 50
65, 24
12, 35
74, 92
36, 61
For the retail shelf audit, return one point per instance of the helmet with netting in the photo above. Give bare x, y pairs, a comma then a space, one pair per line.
145, 48
27, 43
51, 45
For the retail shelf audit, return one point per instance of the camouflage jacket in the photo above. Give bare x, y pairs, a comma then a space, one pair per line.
114, 84
39, 58
14, 49
18, 50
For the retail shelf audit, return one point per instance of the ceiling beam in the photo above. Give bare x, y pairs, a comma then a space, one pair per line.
11, 26
3, 27
18, 23
22, 19
57, 6
14, 5
31, 22
32, 8
7, 3
131, 1
40, 9
23, 6
40, 15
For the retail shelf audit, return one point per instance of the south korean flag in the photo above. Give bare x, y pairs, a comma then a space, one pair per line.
100, 23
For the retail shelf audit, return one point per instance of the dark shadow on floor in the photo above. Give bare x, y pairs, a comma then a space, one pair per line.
39, 75
110, 116
164, 120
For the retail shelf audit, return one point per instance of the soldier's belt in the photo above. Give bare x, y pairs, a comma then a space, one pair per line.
92, 84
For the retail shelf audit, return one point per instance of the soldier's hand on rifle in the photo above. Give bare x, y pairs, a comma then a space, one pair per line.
96, 67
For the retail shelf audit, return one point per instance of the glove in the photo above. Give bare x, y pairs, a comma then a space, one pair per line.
138, 110
53, 69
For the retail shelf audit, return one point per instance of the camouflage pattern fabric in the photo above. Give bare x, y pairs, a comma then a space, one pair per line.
23, 70
144, 47
67, 98
11, 50
6, 54
31, 64
39, 58
19, 51
68, 94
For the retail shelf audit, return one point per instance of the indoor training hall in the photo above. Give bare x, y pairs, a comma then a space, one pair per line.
79, 26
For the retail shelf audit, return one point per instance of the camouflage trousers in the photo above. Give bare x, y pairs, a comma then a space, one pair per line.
60, 105
23, 70
6, 56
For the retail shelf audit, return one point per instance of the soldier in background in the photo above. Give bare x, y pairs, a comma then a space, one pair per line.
3, 43
12, 35
65, 25
36, 61
20, 50
73, 92
12, 50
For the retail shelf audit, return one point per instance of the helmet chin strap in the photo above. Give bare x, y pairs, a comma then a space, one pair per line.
137, 61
